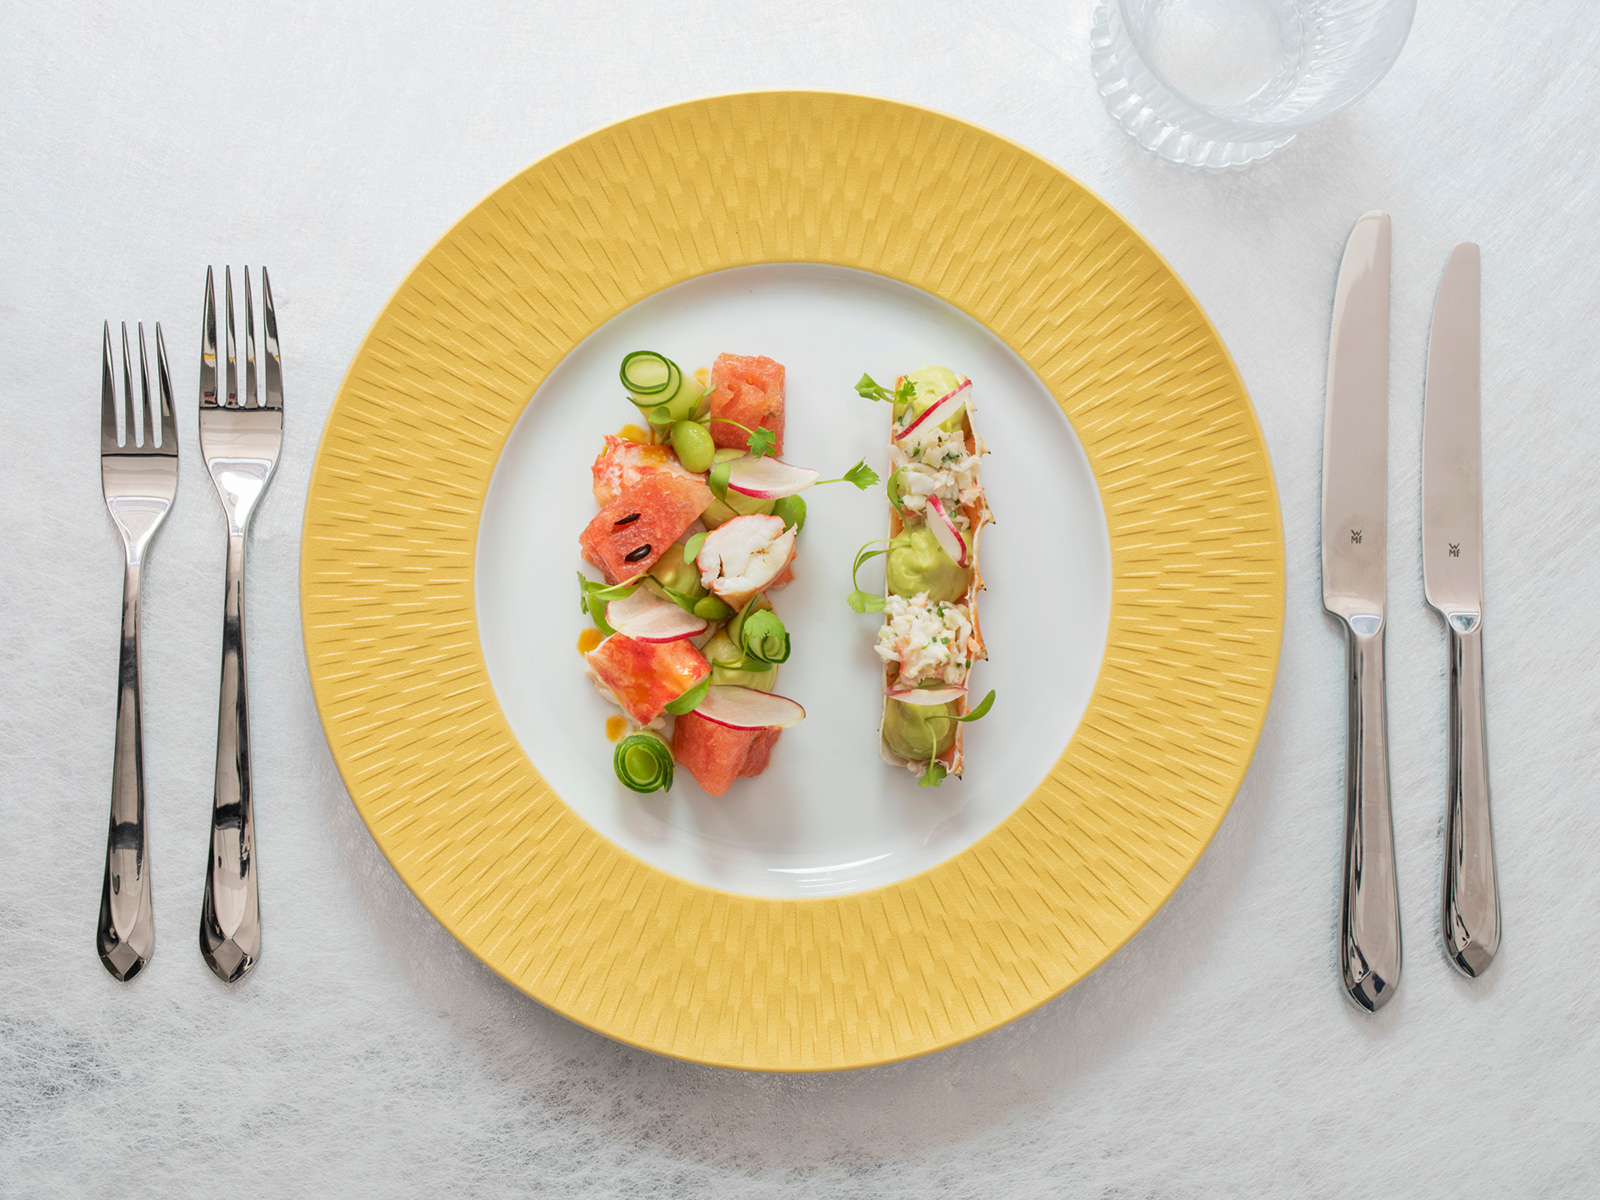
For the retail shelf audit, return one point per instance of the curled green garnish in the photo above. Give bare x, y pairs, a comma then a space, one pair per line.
859, 599
936, 773
643, 763
861, 475
870, 389
646, 373
763, 638
893, 490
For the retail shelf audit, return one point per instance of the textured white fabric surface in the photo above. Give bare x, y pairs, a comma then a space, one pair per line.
368, 1054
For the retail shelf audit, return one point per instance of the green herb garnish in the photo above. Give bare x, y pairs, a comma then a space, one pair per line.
691, 548
861, 475
936, 773
643, 763
870, 389
593, 598
762, 442
717, 480
859, 599
763, 638
686, 702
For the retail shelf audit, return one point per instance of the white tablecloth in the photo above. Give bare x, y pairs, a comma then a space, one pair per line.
368, 1054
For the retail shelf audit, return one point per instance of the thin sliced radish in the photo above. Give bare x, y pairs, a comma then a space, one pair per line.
646, 617
938, 695
941, 410
946, 533
767, 478
747, 708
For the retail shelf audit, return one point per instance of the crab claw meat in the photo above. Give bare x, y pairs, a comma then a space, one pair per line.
768, 479
646, 617
946, 533
743, 556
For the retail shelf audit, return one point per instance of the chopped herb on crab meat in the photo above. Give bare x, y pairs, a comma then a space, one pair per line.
926, 640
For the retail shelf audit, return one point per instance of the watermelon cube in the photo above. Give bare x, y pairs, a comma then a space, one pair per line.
716, 755
630, 533
748, 390
645, 677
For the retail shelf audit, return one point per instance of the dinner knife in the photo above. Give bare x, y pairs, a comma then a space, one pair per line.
1452, 576
1355, 463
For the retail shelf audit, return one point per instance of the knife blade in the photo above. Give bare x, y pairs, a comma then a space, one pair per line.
1452, 574
1355, 463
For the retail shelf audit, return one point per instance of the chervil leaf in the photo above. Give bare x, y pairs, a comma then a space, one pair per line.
861, 475
762, 443
865, 602
905, 392
934, 775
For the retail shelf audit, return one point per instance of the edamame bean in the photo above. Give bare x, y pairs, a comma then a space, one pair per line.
693, 444
712, 609
793, 511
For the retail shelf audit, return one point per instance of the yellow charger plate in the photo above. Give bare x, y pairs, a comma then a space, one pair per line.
828, 982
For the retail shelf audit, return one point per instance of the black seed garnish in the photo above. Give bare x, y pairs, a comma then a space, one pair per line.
627, 520
636, 555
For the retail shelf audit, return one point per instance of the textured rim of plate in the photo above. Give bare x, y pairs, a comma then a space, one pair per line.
820, 983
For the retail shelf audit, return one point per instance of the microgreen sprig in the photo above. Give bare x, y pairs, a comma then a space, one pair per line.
861, 475
859, 599
869, 389
762, 441
936, 772
593, 598
686, 703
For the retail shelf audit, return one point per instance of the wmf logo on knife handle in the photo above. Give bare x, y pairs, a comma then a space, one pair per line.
1355, 537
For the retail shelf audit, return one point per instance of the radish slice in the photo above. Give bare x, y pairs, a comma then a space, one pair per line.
646, 617
939, 695
940, 411
747, 708
946, 533
767, 478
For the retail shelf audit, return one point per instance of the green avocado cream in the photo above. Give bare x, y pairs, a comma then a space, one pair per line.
933, 384
911, 735
672, 571
917, 563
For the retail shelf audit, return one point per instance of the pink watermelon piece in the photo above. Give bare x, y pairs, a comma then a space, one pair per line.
748, 390
716, 755
630, 533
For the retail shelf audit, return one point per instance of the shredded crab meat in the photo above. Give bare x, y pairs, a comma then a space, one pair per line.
744, 556
937, 463
927, 640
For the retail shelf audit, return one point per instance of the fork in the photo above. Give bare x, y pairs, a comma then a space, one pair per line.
139, 479
240, 444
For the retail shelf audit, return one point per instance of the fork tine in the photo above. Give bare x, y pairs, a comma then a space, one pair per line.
169, 421
250, 400
147, 424
130, 420
208, 347
108, 397
269, 332
232, 400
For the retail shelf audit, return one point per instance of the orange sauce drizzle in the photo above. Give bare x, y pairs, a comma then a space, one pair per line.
615, 728
589, 639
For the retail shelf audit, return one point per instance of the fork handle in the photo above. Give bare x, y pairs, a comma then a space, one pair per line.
230, 919
126, 935
1369, 951
1471, 897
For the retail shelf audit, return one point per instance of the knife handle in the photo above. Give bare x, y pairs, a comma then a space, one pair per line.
1369, 949
1471, 909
